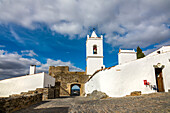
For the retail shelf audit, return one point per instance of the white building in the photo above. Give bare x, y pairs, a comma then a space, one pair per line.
25, 83
149, 74
94, 53
32, 69
163, 49
126, 56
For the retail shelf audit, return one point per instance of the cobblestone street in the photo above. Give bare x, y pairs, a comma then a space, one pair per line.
151, 103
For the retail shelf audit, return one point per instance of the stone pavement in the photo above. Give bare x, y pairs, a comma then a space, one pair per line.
151, 103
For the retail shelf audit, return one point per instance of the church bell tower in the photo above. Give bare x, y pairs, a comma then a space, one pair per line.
94, 53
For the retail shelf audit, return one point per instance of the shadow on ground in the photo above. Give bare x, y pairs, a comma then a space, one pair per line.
49, 110
68, 96
32, 109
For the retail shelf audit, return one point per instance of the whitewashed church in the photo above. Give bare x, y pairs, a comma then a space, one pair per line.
94, 53
148, 75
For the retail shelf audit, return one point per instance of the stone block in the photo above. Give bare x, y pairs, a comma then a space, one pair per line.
95, 95
48, 93
135, 93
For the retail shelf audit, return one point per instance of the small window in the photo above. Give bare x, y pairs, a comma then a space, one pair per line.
158, 52
95, 49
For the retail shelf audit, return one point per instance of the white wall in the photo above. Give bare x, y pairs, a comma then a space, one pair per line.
124, 57
163, 49
24, 84
48, 80
94, 64
123, 79
32, 69
94, 61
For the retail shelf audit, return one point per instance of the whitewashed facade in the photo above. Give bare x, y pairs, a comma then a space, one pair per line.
125, 56
123, 79
25, 83
32, 69
94, 53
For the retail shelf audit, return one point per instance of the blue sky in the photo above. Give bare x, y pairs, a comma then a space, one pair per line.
54, 32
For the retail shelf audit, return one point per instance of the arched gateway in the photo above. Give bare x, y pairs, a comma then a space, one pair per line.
66, 80
75, 89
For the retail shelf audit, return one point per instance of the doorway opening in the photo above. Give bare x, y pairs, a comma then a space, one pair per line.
75, 90
159, 80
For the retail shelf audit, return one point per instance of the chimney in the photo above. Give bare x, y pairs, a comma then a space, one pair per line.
32, 69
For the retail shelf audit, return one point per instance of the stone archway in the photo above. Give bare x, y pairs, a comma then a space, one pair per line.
75, 89
67, 79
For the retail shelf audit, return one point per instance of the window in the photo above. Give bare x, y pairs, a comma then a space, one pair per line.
95, 49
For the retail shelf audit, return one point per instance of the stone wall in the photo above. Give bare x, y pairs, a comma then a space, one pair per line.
58, 69
65, 79
48, 93
16, 102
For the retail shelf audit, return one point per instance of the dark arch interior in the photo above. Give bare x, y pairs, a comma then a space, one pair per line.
95, 49
75, 90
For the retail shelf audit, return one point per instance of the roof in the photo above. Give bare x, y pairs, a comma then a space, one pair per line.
163, 49
94, 35
126, 51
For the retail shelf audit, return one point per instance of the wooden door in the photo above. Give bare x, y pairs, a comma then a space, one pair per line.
159, 80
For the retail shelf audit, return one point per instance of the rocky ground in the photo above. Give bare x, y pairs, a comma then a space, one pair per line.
151, 103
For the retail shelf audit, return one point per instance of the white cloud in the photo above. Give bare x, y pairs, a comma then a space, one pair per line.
2, 46
14, 64
15, 35
30, 53
50, 62
142, 22
144, 37
67, 28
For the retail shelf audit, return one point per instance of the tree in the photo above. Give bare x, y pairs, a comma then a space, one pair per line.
140, 54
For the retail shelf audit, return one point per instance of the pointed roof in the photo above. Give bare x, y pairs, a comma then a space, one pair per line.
93, 34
